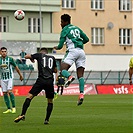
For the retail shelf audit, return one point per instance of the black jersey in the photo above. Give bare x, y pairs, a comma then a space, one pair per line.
46, 65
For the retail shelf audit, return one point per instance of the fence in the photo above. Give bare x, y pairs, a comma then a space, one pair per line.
95, 77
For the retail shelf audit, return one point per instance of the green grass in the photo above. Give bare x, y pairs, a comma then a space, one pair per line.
98, 114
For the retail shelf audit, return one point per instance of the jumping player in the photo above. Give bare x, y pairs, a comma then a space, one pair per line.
75, 39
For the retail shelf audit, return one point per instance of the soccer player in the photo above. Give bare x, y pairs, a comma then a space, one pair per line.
6, 70
22, 55
45, 81
60, 83
130, 70
75, 39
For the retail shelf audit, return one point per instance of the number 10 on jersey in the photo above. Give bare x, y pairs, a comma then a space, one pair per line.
48, 62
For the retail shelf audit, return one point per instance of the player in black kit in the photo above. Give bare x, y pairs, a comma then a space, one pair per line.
45, 81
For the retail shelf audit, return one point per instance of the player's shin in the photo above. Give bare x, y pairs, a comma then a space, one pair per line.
6, 99
65, 73
81, 87
49, 111
81, 84
25, 106
12, 98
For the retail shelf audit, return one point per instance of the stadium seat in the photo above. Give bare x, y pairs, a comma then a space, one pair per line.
20, 66
18, 61
31, 67
25, 67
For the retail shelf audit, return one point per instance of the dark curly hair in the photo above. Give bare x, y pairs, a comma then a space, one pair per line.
66, 18
3, 48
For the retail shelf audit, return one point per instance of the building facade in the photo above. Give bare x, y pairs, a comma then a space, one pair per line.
32, 28
109, 24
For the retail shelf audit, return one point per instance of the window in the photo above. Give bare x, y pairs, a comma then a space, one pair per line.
3, 24
125, 36
125, 5
68, 3
33, 25
97, 4
97, 36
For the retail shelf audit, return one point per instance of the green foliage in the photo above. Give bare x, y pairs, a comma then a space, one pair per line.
98, 114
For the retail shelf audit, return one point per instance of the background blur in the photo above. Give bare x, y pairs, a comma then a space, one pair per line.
108, 24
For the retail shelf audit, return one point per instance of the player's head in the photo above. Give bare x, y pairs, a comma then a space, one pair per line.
22, 50
3, 52
65, 20
44, 50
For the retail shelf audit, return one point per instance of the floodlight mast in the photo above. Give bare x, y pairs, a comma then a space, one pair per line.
40, 17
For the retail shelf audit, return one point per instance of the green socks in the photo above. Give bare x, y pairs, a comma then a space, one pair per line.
81, 84
12, 98
65, 73
7, 102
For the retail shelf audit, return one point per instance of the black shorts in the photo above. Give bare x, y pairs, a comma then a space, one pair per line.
43, 84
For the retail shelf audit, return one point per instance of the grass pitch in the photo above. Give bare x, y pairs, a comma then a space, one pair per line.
98, 114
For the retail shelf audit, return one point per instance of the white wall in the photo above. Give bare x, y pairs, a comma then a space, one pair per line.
104, 62
100, 62
107, 62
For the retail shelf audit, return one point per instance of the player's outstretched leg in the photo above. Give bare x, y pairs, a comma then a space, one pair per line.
55, 95
69, 81
80, 99
19, 118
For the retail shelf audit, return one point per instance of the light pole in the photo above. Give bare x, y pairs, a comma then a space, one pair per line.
40, 17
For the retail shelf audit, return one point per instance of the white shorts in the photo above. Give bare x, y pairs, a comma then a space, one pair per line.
76, 56
6, 85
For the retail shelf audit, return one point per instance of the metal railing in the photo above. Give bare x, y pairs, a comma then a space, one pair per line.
96, 77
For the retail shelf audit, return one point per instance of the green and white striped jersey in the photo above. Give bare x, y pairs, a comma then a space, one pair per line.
73, 36
6, 67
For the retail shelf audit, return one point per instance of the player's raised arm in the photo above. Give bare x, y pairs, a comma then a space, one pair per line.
28, 56
61, 43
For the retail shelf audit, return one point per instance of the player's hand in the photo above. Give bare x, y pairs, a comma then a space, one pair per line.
130, 82
21, 78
